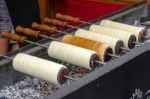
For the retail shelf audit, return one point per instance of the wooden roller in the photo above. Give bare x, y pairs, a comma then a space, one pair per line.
27, 31
54, 22
99, 47
43, 27
139, 32
41, 68
115, 43
127, 37
78, 56
67, 18
14, 37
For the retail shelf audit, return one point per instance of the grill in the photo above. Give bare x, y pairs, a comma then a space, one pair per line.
122, 78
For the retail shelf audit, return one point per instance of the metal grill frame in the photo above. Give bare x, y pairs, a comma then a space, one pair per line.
10, 77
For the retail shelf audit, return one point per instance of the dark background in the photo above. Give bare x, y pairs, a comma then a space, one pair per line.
23, 12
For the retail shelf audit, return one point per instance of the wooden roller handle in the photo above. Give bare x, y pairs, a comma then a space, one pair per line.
27, 31
54, 22
43, 27
14, 37
67, 18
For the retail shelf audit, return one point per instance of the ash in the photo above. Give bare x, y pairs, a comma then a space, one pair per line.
34, 88
29, 88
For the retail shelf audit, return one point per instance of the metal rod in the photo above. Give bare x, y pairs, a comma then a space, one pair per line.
112, 55
68, 77
70, 26
48, 37
62, 32
84, 22
35, 43
102, 63
44, 36
145, 24
7, 57
126, 49
138, 43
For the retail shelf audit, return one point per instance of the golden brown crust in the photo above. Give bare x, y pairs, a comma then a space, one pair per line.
98, 47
